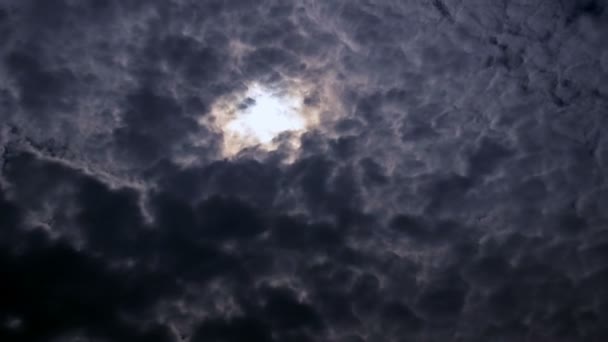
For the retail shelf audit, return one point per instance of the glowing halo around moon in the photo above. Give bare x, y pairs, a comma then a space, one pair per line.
264, 117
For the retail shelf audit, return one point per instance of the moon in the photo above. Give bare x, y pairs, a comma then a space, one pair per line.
264, 114
260, 114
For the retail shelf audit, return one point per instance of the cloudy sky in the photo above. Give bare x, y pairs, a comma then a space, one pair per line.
436, 172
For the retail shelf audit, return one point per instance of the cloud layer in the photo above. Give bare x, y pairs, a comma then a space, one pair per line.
454, 189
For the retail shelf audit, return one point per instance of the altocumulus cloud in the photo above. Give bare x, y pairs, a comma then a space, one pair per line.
453, 187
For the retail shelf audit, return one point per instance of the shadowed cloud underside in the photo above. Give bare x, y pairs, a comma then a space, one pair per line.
436, 172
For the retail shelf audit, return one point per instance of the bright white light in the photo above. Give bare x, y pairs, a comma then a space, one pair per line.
252, 120
265, 114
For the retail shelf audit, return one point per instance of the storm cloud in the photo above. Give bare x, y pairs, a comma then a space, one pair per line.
453, 189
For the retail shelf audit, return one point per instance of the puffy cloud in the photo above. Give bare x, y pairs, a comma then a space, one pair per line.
452, 188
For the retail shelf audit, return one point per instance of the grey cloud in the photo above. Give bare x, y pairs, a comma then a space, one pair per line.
455, 188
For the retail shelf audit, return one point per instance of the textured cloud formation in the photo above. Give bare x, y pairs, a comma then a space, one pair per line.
454, 190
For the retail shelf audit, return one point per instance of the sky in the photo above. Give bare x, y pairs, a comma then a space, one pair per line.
440, 173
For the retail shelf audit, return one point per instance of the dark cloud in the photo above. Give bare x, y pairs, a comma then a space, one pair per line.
453, 189
51, 289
